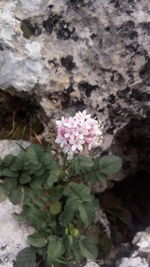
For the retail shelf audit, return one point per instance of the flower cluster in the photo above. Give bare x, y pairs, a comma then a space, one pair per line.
74, 133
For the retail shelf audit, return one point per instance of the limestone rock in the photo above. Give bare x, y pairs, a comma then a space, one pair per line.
142, 241
80, 53
73, 55
11, 147
91, 264
13, 237
133, 262
141, 255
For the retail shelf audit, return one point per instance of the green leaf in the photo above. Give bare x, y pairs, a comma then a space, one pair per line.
68, 241
32, 156
110, 164
87, 213
9, 173
37, 217
24, 178
72, 203
80, 165
26, 258
54, 176
47, 159
38, 150
40, 172
78, 190
66, 216
56, 194
15, 196
77, 256
55, 248
16, 165
3, 193
36, 183
55, 208
50, 162
18, 217
88, 249
37, 240
8, 160
10, 184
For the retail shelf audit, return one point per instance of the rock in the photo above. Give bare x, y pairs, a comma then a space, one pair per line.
141, 254
91, 264
97, 51
13, 237
11, 147
133, 262
73, 55
142, 241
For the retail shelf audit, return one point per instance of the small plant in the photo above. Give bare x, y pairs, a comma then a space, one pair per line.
55, 197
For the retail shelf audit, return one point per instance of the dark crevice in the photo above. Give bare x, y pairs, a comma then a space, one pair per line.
21, 115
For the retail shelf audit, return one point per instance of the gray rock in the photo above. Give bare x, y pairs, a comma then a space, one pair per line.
11, 147
95, 53
141, 254
133, 262
81, 54
13, 237
73, 55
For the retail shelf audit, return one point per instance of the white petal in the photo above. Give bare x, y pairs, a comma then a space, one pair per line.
80, 147
74, 147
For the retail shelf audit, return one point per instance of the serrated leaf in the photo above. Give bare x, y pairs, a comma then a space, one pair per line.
15, 196
10, 184
55, 208
81, 165
24, 178
56, 194
9, 173
18, 217
54, 176
26, 258
40, 172
87, 213
78, 190
72, 203
66, 216
47, 159
37, 217
55, 248
16, 165
36, 184
110, 164
32, 156
68, 241
8, 160
77, 256
49, 162
3, 193
37, 240
88, 249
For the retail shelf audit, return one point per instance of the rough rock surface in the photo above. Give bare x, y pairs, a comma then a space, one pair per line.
13, 235
76, 54
141, 255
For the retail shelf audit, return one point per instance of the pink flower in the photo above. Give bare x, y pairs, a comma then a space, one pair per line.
74, 133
